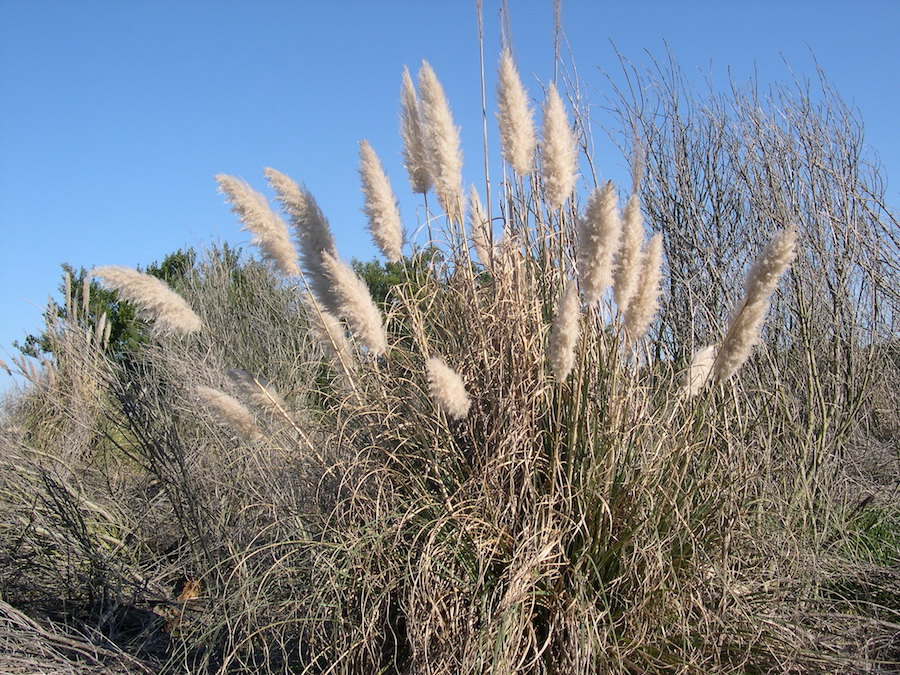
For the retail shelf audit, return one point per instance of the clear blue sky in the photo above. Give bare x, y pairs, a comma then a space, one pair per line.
114, 116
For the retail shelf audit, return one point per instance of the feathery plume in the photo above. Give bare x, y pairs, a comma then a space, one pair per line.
628, 268
447, 388
441, 139
564, 332
153, 298
415, 158
257, 392
645, 302
231, 412
700, 371
354, 303
380, 204
559, 155
746, 321
310, 229
599, 231
330, 331
514, 115
479, 229
269, 231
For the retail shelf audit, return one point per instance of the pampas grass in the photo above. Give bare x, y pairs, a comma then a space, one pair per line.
256, 392
269, 231
645, 302
330, 332
559, 153
700, 370
599, 231
551, 503
447, 388
154, 300
380, 204
564, 332
743, 332
354, 303
515, 118
415, 157
479, 229
230, 412
311, 230
628, 269
442, 144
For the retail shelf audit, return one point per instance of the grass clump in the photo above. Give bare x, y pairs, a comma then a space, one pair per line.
495, 465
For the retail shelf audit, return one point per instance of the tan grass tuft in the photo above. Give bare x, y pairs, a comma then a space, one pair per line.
230, 412
599, 231
153, 298
447, 388
380, 204
564, 332
354, 303
743, 332
269, 231
645, 302
515, 118
628, 264
442, 143
415, 157
559, 154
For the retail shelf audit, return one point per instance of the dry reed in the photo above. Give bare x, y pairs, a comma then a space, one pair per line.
559, 154
599, 231
743, 332
447, 388
153, 298
354, 302
269, 231
415, 157
442, 144
380, 204
515, 118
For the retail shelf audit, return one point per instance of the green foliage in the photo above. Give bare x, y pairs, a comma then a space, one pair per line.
382, 277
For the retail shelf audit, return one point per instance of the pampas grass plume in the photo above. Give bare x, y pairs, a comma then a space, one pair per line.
743, 332
646, 298
564, 332
447, 388
479, 229
700, 370
354, 303
380, 204
559, 155
311, 230
269, 231
415, 158
442, 143
599, 231
628, 269
257, 392
330, 332
231, 412
155, 301
517, 137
